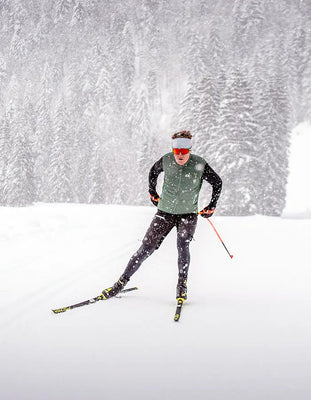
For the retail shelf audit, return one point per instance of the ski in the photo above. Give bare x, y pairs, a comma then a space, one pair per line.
180, 303
87, 302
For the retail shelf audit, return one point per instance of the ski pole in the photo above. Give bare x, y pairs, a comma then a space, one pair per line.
231, 256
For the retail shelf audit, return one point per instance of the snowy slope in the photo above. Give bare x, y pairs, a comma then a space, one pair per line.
244, 333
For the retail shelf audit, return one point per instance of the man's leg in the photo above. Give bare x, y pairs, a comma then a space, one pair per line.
159, 228
185, 230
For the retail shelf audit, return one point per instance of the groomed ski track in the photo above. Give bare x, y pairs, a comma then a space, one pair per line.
244, 333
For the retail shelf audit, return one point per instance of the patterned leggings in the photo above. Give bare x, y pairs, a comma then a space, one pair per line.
159, 228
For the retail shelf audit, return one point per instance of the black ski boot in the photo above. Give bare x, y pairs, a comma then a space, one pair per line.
115, 289
181, 290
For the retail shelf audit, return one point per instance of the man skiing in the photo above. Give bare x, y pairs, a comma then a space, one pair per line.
177, 207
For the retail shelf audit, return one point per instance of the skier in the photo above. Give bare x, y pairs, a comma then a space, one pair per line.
177, 206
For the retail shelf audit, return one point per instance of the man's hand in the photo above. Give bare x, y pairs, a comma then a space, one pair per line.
154, 197
207, 212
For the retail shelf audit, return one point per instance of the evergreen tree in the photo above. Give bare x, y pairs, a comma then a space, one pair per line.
97, 191
19, 179
208, 110
5, 151
62, 8
253, 20
43, 134
78, 15
299, 54
18, 47
141, 134
127, 56
236, 147
307, 91
274, 137
60, 173
188, 117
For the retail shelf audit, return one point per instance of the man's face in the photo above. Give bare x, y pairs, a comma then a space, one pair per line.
180, 158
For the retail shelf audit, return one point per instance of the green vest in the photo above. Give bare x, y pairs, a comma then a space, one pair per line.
182, 184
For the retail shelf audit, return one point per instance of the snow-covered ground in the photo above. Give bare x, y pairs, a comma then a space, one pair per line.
244, 333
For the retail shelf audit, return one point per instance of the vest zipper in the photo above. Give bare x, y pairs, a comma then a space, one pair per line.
177, 196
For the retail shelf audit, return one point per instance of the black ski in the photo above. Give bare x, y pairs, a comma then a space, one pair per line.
180, 303
87, 302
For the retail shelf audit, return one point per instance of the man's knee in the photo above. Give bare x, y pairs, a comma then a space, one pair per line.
151, 245
184, 239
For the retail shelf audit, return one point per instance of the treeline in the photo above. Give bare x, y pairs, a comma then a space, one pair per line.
91, 90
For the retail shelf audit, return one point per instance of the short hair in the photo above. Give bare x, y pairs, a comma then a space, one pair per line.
182, 134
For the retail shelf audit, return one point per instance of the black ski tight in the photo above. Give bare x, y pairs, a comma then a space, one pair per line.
159, 228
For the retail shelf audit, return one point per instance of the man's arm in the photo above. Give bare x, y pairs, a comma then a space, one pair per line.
155, 171
211, 177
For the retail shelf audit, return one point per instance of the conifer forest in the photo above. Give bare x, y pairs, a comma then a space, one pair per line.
92, 90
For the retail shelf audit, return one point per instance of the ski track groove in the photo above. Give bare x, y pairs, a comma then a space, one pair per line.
37, 299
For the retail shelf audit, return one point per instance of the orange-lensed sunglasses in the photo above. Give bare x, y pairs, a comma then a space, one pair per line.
182, 151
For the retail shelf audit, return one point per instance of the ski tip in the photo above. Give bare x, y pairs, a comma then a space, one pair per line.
231, 256
129, 289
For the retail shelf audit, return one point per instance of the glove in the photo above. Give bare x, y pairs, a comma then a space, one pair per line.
154, 197
207, 212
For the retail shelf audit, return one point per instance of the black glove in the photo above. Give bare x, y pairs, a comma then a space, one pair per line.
207, 212
154, 197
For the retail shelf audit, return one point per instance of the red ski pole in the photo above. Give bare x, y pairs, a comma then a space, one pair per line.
231, 256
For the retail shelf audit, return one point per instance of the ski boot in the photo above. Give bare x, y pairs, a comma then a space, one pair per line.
115, 289
181, 290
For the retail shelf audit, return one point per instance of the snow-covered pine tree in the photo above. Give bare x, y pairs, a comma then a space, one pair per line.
273, 132
127, 57
299, 54
208, 109
238, 29
306, 105
62, 8
210, 89
97, 174
142, 140
216, 50
19, 180
18, 46
5, 153
3, 79
236, 147
188, 116
42, 135
60, 172
253, 20
274, 139
78, 14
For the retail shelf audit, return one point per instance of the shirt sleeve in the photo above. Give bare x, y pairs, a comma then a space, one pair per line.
154, 172
211, 177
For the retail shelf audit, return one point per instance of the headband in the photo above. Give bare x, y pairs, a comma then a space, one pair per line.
181, 143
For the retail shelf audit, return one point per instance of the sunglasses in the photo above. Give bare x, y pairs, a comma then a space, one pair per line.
182, 151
